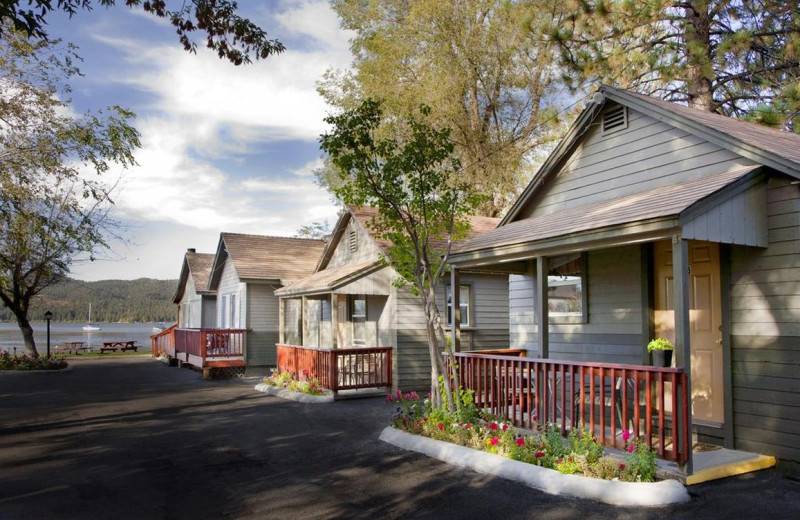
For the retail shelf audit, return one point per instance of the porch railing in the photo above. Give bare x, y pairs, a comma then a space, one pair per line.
340, 369
164, 341
601, 397
210, 343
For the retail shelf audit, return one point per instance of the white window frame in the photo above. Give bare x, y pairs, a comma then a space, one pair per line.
353, 316
465, 303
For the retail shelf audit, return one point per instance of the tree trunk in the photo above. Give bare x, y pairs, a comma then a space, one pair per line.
27, 335
699, 73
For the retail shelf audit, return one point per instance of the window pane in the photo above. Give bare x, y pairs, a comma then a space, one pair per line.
359, 318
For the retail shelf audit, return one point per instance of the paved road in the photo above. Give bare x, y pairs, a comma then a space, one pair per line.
132, 438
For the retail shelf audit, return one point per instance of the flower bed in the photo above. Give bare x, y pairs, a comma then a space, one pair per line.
542, 459
27, 363
305, 389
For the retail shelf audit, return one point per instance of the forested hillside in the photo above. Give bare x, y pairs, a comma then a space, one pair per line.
143, 300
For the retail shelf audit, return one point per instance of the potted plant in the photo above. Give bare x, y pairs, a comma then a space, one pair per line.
660, 350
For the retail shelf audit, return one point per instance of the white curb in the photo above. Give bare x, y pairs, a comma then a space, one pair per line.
294, 396
652, 494
12, 373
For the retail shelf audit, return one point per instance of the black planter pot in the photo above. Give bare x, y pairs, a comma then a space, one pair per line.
661, 358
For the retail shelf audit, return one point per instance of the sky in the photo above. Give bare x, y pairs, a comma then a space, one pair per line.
224, 148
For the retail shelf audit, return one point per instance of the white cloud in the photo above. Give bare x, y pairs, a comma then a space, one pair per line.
308, 168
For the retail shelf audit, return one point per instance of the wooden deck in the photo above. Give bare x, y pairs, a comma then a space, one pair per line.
204, 349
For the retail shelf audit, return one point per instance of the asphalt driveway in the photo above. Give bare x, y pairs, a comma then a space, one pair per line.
129, 437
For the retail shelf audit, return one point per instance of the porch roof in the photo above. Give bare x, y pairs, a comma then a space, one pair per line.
328, 280
646, 215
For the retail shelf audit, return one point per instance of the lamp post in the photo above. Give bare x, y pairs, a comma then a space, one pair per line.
48, 316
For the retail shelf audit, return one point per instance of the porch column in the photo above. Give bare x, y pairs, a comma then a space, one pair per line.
455, 300
542, 307
303, 320
334, 320
683, 352
281, 320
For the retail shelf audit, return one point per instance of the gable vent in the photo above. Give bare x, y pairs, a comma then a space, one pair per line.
352, 240
615, 119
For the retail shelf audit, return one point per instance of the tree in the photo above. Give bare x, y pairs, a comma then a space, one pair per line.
408, 170
476, 61
52, 207
228, 34
736, 57
317, 229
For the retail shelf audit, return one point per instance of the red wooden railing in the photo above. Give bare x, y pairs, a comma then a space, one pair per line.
163, 341
340, 369
601, 397
210, 343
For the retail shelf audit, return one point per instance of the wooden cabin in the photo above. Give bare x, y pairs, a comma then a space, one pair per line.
651, 219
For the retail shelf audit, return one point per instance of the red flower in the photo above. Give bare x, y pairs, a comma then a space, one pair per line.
505, 427
622, 467
493, 426
468, 426
626, 434
631, 447
441, 426
539, 454
520, 442
495, 440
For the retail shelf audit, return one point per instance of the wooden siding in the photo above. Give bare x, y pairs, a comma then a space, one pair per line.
489, 295
613, 333
765, 333
191, 306
367, 250
648, 154
738, 220
413, 359
228, 284
262, 323
209, 318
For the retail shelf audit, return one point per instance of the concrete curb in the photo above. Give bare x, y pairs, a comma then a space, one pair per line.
294, 396
649, 494
13, 373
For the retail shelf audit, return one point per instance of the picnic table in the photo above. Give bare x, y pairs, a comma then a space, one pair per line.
113, 346
73, 347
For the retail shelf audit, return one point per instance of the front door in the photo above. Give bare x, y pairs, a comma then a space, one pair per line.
705, 317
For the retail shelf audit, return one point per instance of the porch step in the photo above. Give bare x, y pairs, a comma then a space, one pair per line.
716, 464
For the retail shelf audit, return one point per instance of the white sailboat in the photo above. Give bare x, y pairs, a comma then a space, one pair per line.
89, 325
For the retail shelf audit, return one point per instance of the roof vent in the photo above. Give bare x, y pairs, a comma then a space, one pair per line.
353, 242
614, 119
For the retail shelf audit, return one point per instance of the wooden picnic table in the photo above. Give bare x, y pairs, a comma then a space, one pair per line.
113, 346
73, 347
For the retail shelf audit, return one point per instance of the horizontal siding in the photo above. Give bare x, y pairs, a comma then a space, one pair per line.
765, 341
262, 320
613, 331
413, 368
648, 154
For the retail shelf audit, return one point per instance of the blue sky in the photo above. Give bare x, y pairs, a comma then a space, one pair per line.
224, 148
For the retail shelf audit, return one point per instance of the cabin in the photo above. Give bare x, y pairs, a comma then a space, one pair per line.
648, 220
246, 272
197, 304
350, 303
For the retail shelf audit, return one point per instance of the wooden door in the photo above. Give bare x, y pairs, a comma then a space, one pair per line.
705, 317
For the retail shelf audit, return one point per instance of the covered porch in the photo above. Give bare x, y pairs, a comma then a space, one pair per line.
591, 285
216, 352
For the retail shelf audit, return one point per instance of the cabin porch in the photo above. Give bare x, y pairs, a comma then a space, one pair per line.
217, 352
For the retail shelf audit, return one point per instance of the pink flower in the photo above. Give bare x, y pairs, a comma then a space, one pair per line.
626, 434
520, 442
441, 426
495, 440
493, 426
535, 416
631, 447
539, 454
389, 398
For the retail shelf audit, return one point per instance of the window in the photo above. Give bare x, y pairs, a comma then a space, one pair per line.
565, 285
232, 316
358, 315
464, 300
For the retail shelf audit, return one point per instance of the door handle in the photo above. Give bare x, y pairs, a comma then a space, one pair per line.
719, 341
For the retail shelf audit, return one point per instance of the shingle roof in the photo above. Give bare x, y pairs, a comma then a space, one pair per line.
329, 279
364, 215
200, 268
664, 202
257, 257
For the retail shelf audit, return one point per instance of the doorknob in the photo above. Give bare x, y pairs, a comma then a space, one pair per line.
719, 341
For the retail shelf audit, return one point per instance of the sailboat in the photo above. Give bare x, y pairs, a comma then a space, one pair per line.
89, 325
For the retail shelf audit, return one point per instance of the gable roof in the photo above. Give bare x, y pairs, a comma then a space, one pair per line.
198, 267
266, 258
328, 280
364, 214
774, 148
651, 211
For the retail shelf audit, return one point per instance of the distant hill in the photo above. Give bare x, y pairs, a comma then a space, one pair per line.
112, 301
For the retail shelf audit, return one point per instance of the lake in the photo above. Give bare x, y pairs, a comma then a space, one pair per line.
11, 337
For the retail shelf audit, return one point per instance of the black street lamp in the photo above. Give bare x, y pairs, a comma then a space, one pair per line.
48, 316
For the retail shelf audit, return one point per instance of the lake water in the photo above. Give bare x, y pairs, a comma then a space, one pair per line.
11, 337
